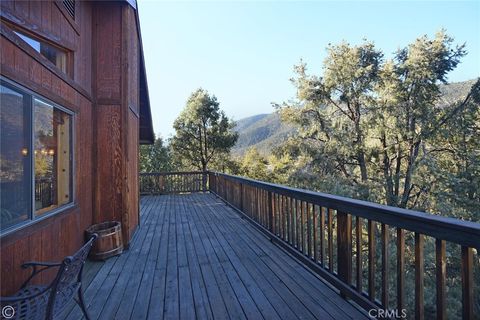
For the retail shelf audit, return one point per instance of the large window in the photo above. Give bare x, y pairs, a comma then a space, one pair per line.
35, 157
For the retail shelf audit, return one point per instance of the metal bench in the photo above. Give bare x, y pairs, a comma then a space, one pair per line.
34, 302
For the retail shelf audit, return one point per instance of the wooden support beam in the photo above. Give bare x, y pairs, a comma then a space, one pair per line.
344, 247
419, 277
467, 282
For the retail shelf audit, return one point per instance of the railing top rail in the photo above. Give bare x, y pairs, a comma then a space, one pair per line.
465, 233
170, 173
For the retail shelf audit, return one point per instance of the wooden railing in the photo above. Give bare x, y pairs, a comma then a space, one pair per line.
361, 247
172, 182
44, 191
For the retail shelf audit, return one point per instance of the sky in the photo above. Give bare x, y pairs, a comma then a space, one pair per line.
244, 52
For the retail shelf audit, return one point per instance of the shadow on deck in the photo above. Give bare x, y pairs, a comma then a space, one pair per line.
195, 257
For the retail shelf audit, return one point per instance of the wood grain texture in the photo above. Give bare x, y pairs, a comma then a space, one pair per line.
105, 136
194, 257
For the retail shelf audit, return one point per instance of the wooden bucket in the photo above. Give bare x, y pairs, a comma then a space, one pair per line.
109, 242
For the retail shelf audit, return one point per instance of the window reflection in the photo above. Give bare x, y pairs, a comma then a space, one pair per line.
52, 157
15, 173
55, 55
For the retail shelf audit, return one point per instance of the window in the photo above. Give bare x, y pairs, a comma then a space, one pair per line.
33, 184
54, 54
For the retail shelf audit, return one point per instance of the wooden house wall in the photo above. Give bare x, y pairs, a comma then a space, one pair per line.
132, 108
116, 74
53, 238
104, 94
108, 114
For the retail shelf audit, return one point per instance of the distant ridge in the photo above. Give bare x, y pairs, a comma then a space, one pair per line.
265, 131
261, 131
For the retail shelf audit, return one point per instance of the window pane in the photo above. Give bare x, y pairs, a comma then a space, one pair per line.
53, 185
33, 43
55, 55
15, 174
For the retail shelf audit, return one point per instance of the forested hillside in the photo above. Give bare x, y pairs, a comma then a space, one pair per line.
261, 131
265, 131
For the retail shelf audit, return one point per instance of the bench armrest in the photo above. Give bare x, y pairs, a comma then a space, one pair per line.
37, 267
41, 264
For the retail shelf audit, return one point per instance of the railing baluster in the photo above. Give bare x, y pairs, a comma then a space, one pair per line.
400, 269
330, 240
302, 226
287, 228
297, 224
284, 215
279, 224
358, 236
271, 207
309, 230
261, 207
419, 277
467, 282
241, 197
441, 273
371, 259
315, 232
322, 236
292, 210
385, 265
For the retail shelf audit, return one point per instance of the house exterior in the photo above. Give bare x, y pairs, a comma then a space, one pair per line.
74, 108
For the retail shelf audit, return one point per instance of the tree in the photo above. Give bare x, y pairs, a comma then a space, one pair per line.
373, 122
455, 170
254, 165
202, 131
332, 111
408, 113
156, 157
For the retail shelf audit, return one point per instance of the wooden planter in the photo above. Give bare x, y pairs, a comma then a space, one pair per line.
109, 242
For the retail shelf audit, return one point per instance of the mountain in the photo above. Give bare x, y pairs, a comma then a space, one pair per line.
264, 131
455, 91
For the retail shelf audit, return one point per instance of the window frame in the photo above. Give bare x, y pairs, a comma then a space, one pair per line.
32, 217
69, 53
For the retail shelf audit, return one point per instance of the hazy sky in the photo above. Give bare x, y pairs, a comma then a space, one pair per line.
244, 52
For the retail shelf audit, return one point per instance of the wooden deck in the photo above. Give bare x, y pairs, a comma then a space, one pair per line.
195, 257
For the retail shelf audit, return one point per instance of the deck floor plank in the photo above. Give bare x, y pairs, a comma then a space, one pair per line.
309, 282
306, 278
193, 257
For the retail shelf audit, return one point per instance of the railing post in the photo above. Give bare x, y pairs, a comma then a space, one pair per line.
209, 181
467, 282
204, 181
344, 247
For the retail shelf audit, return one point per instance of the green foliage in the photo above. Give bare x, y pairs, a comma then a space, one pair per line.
202, 132
370, 127
383, 130
254, 165
156, 157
